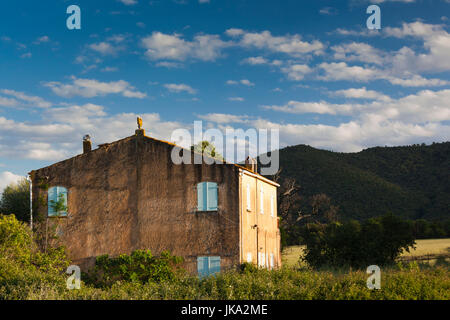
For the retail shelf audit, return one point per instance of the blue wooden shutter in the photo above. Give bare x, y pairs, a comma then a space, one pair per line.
202, 266
212, 196
201, 196
52, 196
214, 265
62, 192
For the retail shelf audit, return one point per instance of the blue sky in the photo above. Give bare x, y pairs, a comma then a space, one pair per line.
311, 69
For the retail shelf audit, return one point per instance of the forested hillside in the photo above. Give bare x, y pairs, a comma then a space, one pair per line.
411, 181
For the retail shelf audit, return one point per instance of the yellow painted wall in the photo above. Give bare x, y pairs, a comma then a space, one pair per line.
259, 234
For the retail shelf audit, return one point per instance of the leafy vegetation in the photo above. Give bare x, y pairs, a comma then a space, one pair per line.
140, 266
207, 148
377, 241
27, 273
16, 199
410, 181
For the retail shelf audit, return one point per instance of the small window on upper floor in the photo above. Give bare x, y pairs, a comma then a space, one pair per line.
207, 197
57, 202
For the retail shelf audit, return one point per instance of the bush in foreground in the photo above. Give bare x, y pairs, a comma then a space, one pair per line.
377, 241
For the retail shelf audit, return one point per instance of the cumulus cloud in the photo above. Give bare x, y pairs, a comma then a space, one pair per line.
341, 71
160, 46
128, 2
424, 106
105, 48
296, 71
288, 44
177, 88
25, 100
89, 88
223, 118
57, 136
240, 99
361, 93
244, 82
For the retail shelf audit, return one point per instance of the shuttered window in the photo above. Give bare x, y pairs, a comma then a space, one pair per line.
207, 196
207, 266
57, 201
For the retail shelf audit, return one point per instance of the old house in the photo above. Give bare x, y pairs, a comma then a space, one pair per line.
129, 195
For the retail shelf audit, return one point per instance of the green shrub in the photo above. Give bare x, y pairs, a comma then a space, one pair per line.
376, 241
140, 266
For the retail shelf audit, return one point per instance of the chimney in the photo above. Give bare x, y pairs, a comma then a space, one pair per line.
251, 164
87, 144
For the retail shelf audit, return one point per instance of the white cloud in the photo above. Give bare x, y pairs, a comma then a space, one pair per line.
436, 43
381, 1
172, 47
105, 48
236, 99
244, 82
177, 88
32, 101
234, 32
341, 71
26, 55
321, 107
109, 69
89, 88
7, 178
288, 44
361, 93
424, 106
43, 39
296, 71
58, 135
328, 11
256, 60
128, 2
8, 102
356, 51
224, 118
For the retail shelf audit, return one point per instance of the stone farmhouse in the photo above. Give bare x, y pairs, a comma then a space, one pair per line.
129, 195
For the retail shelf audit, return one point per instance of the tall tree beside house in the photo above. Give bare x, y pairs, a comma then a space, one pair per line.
16, 199
207, 148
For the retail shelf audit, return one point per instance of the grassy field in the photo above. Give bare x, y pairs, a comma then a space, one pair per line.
290, 255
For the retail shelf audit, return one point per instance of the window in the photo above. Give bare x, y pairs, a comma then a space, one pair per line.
271, 261
249, 208
57, 201
207, 266
261, 197
272, 207
207, 196
249, 257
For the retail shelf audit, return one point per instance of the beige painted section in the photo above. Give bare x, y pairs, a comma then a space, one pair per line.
260, 236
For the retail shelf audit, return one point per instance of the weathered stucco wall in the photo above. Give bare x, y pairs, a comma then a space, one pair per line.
129, 195
260, 233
